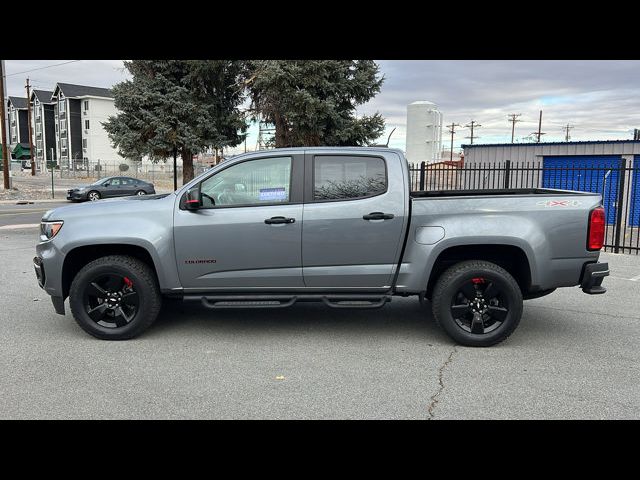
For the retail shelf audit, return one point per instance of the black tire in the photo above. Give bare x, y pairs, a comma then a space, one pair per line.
144, 285
448, 294
92, 196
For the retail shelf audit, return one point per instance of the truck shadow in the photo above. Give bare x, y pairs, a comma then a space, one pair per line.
403, 316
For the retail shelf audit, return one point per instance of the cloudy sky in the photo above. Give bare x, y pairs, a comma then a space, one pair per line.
600, 99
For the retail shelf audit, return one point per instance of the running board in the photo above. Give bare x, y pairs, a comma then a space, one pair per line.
283, 301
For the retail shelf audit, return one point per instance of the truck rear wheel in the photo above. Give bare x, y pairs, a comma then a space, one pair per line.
115, 297
477, 303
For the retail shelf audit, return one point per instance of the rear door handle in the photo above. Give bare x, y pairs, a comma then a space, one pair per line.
378, 216
276, 220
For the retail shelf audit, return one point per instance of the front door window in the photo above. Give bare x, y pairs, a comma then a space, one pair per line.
259, 182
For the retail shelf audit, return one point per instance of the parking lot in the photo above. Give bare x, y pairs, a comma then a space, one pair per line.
574, 356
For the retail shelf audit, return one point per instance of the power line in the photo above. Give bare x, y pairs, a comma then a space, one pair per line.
41, 68
472, 125
513, 118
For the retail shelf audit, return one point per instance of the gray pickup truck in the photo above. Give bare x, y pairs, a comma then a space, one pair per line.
335, 225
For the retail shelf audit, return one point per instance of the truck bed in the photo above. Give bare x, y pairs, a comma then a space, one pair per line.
493, 192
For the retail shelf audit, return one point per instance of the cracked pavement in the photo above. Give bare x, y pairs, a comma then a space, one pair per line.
573, 356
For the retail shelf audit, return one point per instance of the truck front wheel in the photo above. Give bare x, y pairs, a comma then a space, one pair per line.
115, 297
477, 303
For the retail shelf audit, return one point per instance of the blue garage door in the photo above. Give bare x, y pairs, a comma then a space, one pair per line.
634, 204
586, 173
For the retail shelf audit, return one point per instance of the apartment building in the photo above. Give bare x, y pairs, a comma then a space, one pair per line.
18, 121
43, 126
80, 139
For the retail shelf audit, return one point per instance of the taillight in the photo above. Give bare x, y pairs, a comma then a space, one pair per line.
595, 234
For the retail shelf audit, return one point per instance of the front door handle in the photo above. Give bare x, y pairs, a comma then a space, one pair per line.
276, 220
378, 216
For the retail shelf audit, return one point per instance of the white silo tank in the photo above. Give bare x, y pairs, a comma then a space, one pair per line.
424, 132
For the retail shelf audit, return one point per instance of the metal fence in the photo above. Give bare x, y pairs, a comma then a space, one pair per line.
619, 186
149, 172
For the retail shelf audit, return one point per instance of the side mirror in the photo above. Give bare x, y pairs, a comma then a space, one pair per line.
192, 199
106, 184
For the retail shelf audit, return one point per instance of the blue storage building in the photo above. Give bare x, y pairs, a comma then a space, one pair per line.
592, 166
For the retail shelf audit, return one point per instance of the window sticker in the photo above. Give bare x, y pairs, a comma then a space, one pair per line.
272, 194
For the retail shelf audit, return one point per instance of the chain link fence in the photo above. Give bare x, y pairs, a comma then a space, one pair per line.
150, 172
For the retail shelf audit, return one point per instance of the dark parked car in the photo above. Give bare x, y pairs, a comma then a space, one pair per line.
111, 187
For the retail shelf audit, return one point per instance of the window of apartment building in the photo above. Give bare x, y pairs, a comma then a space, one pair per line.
86, 124
38, 127
61, 105
63, 144
39, 144
84, 143
63, 125
12, 115
86, 105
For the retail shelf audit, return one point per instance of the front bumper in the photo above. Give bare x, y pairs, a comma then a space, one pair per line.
58, 302
73, 195
592, 277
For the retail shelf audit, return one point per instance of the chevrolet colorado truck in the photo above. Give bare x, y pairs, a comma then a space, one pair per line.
335, 225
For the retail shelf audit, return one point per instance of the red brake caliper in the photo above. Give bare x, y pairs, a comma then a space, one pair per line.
128, 282
477, 280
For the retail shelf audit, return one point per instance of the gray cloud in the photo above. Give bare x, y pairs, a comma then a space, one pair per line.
600, 98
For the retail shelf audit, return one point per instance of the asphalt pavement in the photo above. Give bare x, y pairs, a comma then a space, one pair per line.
29, 214
574, 356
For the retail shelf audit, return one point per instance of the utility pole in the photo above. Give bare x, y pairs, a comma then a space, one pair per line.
472, 124
539, 133
513, 118
3, 125
566, 128
452, 131
33, 162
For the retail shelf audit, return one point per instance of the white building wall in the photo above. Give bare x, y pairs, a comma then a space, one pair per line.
98, 143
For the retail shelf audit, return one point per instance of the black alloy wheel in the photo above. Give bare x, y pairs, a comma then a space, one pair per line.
111, 300
115, 297
479, 306
477, 303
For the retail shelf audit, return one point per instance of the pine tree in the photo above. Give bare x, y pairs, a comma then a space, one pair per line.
313, 102
182, 106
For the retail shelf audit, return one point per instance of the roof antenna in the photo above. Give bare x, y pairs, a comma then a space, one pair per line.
389, 137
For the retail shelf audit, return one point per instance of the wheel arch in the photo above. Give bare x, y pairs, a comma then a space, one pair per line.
79, 256
511, 257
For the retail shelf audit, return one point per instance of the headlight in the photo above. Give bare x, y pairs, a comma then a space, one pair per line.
48, 230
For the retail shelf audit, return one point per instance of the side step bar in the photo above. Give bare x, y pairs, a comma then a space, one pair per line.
283, 301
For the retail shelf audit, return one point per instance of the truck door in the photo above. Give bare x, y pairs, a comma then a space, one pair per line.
249, 232
353, 219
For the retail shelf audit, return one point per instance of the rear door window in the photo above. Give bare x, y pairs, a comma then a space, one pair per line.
342, 177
